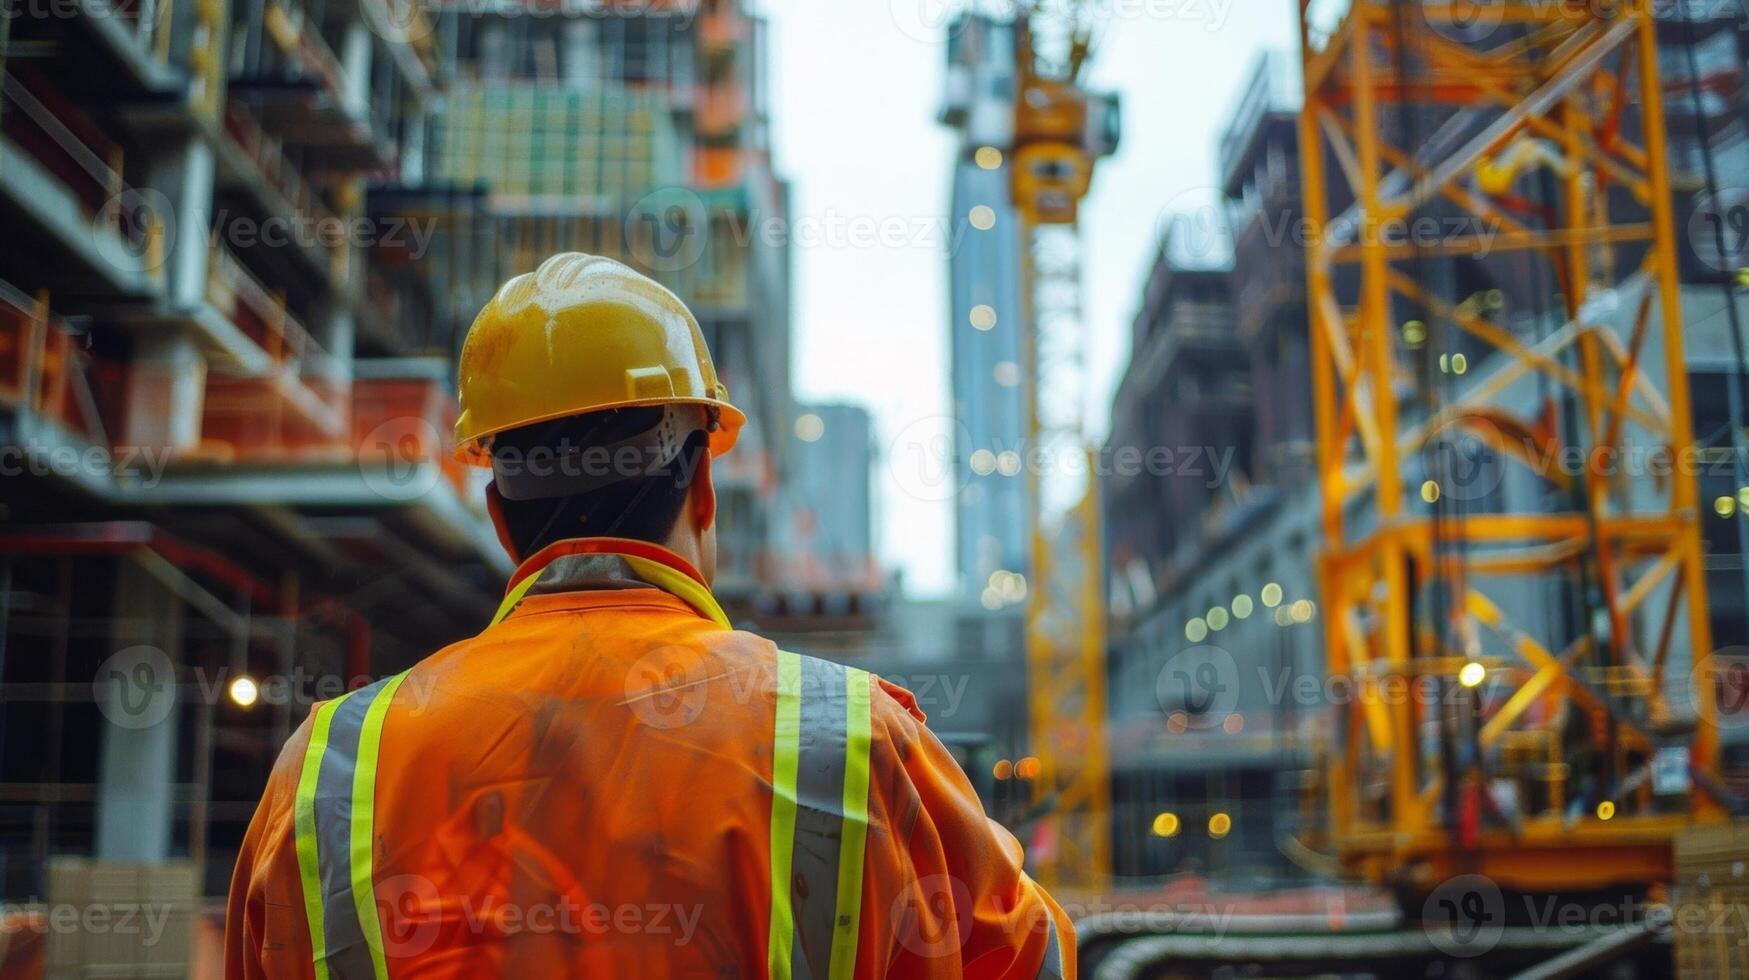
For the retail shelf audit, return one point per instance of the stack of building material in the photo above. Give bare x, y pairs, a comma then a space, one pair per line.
120, 920
1711, 900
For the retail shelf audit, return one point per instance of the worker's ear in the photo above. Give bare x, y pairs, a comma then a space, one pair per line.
495, 509
702, 498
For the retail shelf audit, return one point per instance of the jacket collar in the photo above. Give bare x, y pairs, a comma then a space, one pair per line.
579, 564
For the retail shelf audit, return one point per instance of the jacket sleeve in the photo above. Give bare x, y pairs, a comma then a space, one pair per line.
947, 888
265, 932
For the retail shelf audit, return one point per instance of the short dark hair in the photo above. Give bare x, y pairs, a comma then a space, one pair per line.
644, 506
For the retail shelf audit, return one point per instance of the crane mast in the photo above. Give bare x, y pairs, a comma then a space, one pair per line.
1060, 129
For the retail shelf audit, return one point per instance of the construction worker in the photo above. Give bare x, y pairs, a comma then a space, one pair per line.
609, 780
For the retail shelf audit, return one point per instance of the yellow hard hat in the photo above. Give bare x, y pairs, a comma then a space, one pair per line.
582, 334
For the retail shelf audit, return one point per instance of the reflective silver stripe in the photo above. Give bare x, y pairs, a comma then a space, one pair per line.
343, 938
819, 816
1052, 967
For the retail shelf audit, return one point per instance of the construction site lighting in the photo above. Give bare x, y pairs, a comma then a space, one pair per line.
983, 462
1002, 770
982, 217
1743, 497
1605, 810
1271, 595
244, 692
1302, 610
1007, 373
1472, 674
1233, 724
1028, 768
991, 599
1217, 618
1220, 825
1430, 491
1166, 825
1242, 606
1008, 463
1725, 506
810, 427
988, 157
1282, 616
983, 317
1459, 364
1414, 333
1196, 630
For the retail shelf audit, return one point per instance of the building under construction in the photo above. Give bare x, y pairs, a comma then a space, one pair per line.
243, 242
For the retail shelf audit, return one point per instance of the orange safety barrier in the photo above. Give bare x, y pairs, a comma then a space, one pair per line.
42, 368
411, 418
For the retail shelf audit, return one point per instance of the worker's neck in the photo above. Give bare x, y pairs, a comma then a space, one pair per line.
686, 543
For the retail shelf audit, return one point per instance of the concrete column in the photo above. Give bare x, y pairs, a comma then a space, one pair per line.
185, 177
167, 380
166, 392
136, 799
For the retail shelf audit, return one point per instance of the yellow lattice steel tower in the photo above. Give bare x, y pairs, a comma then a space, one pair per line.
1057, 137
1534, 762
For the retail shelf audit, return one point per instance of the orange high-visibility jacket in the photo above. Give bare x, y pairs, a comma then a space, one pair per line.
610, 782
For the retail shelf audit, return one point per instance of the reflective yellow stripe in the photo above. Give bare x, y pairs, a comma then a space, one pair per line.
513, 597
681, 584
785, 753
848, 917
304, 823
671, 580
364, 796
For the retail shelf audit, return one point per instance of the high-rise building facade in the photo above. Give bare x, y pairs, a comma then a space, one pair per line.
987, 315
832, 489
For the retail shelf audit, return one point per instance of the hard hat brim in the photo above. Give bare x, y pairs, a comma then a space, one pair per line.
475, 449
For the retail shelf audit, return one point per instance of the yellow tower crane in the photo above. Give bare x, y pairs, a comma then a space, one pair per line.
1060, 129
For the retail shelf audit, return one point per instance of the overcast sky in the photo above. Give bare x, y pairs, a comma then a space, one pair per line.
856, 89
